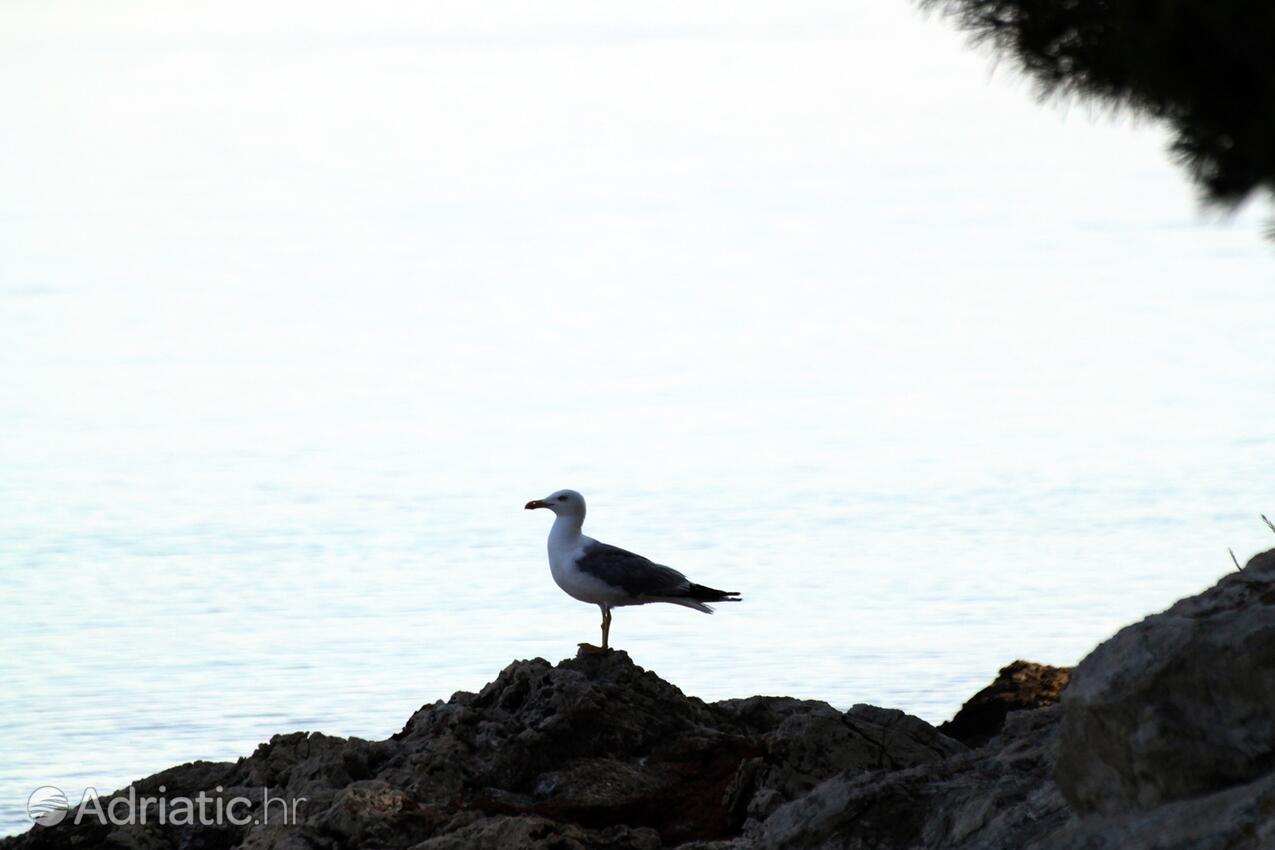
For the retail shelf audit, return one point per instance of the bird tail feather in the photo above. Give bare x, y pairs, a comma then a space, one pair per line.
700, 593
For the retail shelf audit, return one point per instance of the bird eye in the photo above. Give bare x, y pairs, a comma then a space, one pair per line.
562, 498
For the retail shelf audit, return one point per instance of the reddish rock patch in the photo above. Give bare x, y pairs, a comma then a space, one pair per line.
1019, 686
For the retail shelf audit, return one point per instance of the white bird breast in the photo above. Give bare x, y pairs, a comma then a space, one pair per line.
578, 584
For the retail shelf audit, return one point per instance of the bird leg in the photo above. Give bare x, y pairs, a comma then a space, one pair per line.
606, 630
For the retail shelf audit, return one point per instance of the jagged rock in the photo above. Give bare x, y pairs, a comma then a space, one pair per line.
1163, 740
1177, 705
970, 801
1238, 818
538, 833
592, 752
808, 742
1019, 686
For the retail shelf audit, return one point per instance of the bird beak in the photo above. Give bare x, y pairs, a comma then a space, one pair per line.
536, 503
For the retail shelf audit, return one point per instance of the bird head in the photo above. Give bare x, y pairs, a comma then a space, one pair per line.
561, 502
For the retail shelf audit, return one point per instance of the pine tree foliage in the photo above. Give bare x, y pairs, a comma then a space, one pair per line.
1205, 67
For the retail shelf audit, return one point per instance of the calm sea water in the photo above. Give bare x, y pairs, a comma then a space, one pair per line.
297, 311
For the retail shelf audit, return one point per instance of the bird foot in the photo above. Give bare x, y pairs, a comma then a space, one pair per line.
590, 649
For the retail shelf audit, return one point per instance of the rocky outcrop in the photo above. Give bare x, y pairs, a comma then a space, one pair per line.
1164, 739
1003, 797
1239, 818
591, 752
1178, 706
1019, 686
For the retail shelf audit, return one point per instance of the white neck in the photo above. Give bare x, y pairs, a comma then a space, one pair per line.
566, 530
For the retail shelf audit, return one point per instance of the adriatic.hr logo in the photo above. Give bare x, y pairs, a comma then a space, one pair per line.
49, 806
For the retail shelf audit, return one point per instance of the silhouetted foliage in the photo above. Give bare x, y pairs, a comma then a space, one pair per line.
1207, 67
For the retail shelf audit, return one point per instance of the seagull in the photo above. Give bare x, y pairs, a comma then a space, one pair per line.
608, 576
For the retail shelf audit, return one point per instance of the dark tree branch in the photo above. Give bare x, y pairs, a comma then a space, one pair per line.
1204, 67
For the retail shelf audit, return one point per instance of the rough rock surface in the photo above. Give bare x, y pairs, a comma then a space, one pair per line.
593, 752
1002, 798
1019, 686
1178, 705
1163, 740
1238, 818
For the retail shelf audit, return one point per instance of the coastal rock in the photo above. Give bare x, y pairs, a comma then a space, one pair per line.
1178, 705
1239, 818
806, 742
1019, 686
1162, 740
971, 801
591, 752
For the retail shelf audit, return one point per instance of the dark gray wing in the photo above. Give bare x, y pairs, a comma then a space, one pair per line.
636, 575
